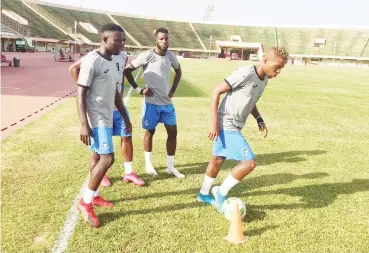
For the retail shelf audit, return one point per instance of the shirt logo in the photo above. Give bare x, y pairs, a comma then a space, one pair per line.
245, 151
153, 60
254, 86
106, 71
117, 66
104, 145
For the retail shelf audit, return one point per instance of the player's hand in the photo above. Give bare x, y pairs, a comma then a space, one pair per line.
128, 125
85, 134
214, 133
171, 94
147, 92
263, 129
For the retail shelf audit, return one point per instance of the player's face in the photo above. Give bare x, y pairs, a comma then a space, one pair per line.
123, 42
162, 41
273, 66
114, 42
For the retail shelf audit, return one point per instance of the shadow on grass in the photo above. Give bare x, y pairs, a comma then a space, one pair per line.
314, 196
259, 231
262, 160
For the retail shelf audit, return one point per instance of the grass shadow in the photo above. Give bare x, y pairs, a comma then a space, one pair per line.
314, 196
262, 160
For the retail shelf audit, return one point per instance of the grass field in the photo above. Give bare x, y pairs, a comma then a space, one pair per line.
309, 192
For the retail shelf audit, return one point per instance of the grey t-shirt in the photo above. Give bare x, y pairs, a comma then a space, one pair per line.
246, 89
156, 74
120, 60
100, 75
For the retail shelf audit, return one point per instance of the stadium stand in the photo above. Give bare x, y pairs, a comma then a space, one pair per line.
68, 16
264, 35
298, 41
181, 34
37, 26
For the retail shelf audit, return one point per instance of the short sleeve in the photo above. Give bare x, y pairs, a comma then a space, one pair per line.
141, 60
174, 60
87, 71
237, 78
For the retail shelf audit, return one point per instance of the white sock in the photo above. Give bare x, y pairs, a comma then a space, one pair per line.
206, 185
228, 184
96, 193
88, 196
170, 161
128, 168
148, 159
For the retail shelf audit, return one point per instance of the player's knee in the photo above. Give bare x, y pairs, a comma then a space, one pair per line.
218, 160
126, 139
107, 160
172, 134
150, 132
252, 164
249, 165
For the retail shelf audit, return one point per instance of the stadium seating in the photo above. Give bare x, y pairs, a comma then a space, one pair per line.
339, 42
181, 34
264, 35
37, 26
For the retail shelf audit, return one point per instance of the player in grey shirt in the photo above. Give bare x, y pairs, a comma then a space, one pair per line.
244, 87
97, 93
158, 106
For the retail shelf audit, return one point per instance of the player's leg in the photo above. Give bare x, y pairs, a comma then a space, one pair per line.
168, 117
211, 173
237, 149
219, 152
102, 145
150, 119
119, 129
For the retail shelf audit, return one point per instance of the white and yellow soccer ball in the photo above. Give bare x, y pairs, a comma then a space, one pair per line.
227, 207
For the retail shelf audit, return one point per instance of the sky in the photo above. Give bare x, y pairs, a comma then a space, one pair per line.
317, 13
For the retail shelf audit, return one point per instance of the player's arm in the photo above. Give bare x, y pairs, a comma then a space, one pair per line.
128, 74
74, 70
261, 124
85, 131
122, 111
84, 81
177, 78
218, 91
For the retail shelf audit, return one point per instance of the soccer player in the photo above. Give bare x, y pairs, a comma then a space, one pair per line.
158, 106
118, 123
243, 89
97, 93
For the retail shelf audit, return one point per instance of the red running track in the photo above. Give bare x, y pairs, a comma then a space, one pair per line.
35, 87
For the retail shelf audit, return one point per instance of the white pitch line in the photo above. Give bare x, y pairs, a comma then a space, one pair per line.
72, 217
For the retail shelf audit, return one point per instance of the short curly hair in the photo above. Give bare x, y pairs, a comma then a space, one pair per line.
280, 51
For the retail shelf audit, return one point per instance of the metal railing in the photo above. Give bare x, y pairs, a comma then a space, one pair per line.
19, 29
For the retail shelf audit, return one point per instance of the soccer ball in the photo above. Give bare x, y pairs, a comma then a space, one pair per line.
227, 207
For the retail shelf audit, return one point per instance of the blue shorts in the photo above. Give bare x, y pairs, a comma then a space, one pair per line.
119, 128
153, 114
232, 145
102, 140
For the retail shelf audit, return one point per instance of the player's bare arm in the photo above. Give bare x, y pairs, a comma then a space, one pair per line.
261, 124
122, 111
128, 74
85, 131
218, 91
74, 70
177, 78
